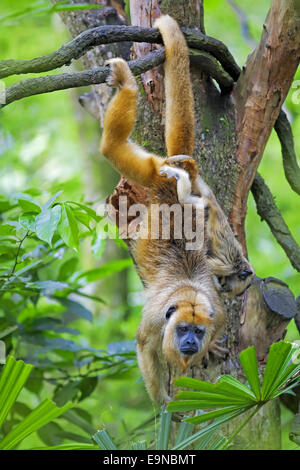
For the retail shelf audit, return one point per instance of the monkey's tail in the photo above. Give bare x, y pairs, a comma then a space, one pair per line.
180, 133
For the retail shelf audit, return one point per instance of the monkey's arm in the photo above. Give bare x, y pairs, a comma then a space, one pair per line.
129, 159
153, 373
153, 370
180, 133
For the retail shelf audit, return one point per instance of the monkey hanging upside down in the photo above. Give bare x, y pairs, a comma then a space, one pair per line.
183, 313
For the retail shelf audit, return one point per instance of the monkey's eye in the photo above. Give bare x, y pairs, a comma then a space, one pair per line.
183, 329
170, 311
199, 332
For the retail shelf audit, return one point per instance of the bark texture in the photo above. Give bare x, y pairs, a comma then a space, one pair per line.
259, 94
231, 133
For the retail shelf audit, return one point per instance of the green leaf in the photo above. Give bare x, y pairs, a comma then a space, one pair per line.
248, 361
202, 445
212, 400
203, 417
43, 414
217, 443
50, 434
88, 210
27, 221
13, 377
27, 202
206, 430
29, 266
276, 364
163, 430
290, 368
67, 269
83, 218
80, 418
76, 308
139, 445
188, 382
98, 246
47, 222
104, 270
230, 385
7, 331
104, 441
69, 447
66, 393
87, 386
184, 431
68, 227
77, 6
49, 203
48, 286
7, 229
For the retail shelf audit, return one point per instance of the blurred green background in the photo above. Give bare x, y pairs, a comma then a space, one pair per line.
49, 142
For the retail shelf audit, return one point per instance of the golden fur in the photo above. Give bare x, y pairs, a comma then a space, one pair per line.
173, 276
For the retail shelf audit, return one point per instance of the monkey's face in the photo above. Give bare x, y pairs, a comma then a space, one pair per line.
188, 327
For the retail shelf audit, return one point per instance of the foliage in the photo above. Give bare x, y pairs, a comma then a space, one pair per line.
229, 398
43, 7
39, 292
206, 440
13, 377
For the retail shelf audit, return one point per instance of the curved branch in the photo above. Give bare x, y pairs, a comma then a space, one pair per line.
217, 48
50, 83
36, 86
290, 165
211, 66
269, 212
109, 34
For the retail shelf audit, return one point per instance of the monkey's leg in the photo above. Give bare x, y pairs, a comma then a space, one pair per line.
180, 133
129, 159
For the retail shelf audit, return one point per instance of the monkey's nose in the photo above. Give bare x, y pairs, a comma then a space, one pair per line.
244, 274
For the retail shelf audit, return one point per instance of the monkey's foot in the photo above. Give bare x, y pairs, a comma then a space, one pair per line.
169, 172
185, 162
215, 347
120, 74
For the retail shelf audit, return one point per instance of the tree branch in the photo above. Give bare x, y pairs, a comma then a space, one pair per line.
211, 66
109, 34
50, 83
269, 212
36, 86
290, 165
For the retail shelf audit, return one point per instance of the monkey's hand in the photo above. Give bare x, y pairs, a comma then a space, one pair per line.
120, 74
169, 172
215, 347
185, 162
184, 186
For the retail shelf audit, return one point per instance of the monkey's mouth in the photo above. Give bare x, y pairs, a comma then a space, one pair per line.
189, 351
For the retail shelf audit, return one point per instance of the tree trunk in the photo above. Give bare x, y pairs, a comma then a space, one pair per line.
231, 133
